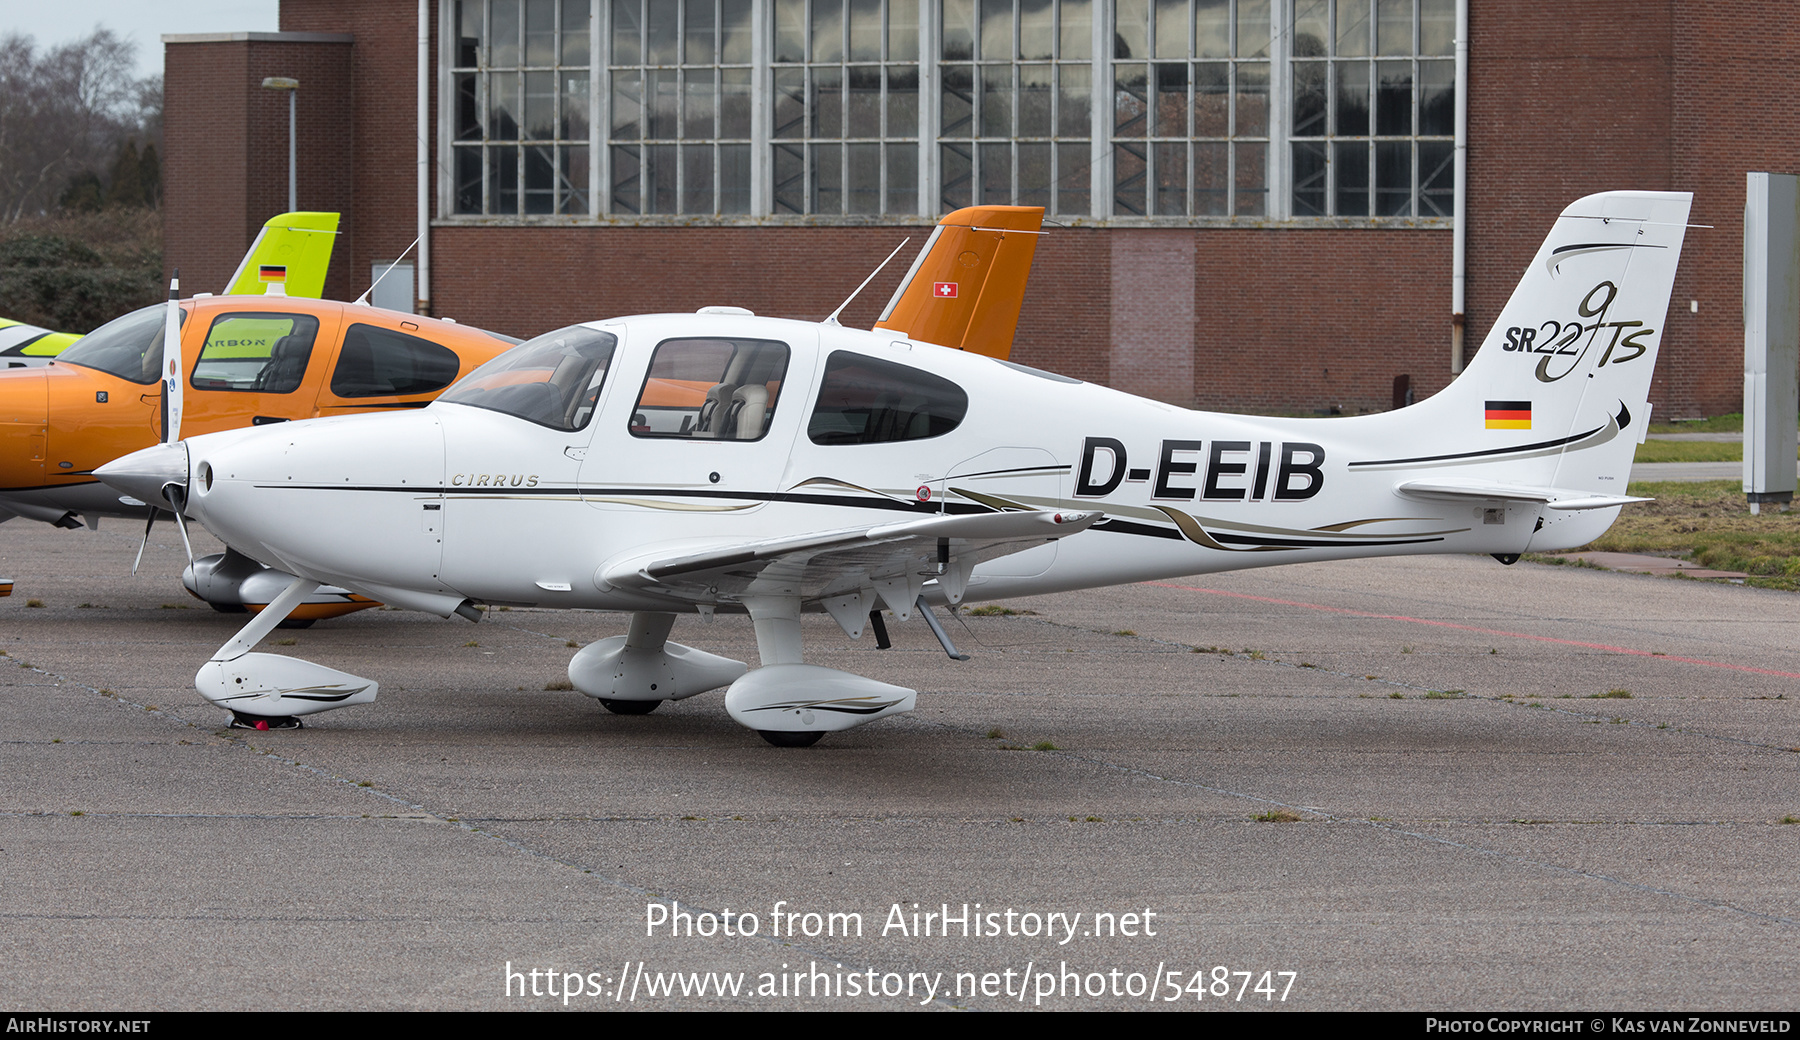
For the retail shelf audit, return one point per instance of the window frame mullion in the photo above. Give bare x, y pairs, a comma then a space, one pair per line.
1280, 169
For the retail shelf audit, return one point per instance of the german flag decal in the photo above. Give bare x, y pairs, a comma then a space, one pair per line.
1509, 415
272, 272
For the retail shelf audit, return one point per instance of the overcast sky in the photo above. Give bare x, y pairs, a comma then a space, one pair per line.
142, 21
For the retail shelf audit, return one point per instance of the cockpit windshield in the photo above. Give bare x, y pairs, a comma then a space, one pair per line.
553, 380
130, 347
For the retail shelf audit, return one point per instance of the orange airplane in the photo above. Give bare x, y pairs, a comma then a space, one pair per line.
249, 360
252, 360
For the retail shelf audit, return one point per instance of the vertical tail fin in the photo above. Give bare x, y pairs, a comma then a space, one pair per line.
968, 283
1558, 397
292, 250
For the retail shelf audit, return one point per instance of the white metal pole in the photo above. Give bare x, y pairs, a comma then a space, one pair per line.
1459, 259
423, 304
293, 193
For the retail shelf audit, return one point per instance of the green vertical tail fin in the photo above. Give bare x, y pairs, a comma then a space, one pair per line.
292, 249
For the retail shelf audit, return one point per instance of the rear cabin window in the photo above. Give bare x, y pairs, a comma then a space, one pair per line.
384, 363
864, 400
264, 353
711, 389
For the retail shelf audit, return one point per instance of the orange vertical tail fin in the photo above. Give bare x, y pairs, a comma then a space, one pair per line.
967, 285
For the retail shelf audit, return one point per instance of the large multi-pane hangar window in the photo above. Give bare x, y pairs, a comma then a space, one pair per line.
1116, 111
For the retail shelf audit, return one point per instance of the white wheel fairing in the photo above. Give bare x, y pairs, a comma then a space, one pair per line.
805, 698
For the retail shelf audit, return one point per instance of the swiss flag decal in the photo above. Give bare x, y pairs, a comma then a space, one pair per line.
944, 290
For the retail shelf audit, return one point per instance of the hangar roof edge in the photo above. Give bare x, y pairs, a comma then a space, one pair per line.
259, 37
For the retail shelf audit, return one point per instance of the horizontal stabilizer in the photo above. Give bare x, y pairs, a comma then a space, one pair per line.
1490, 491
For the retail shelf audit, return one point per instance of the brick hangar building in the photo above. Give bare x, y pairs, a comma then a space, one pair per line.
1250, 201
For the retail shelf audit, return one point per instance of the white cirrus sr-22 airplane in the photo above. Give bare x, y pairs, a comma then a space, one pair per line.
676, 464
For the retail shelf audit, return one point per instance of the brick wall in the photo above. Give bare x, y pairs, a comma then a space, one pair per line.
1564, 100
227, 143
382, 104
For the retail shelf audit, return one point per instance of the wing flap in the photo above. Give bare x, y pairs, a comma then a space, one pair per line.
836, 563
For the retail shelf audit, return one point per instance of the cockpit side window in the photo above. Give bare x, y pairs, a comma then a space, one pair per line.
129, 346
864, 400
259, 352
711, 389
553, 380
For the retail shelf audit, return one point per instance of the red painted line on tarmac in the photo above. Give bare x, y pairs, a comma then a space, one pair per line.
1472, 628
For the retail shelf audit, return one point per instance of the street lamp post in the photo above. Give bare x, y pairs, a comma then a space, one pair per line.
292, 87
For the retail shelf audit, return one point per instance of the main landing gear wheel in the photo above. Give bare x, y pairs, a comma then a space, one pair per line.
789, 738
628, 707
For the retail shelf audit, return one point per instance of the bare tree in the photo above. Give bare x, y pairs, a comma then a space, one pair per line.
66, 110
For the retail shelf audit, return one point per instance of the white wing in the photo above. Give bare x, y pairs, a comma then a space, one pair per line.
845, 569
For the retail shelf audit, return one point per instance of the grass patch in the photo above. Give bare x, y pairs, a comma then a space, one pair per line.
1128, 633
286, 642
34, 602
1790, 819
1277, 816
176, 606
471, 643
1710, 524
559, 684
1443, 695
1689, 451
1616, 694
996, 734
992, 610
1731, 423
1044, 745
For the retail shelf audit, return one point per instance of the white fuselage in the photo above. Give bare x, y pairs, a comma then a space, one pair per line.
456, 502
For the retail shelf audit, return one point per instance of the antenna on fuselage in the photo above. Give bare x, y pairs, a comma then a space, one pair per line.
364, 298
865, 284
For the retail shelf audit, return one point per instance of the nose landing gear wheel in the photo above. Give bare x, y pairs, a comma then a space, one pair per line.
788, 738
242, 720
629, 707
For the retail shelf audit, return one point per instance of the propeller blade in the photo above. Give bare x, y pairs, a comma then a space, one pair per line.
172, 368
177, 496
148, 524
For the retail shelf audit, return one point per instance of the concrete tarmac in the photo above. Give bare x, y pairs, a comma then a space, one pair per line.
1401, 781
